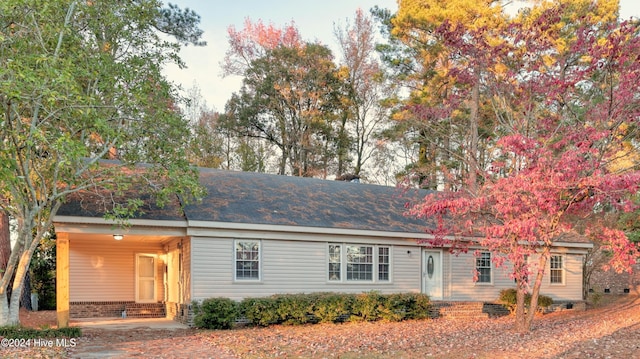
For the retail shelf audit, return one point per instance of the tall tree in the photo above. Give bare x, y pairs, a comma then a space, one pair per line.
214, 145
81, 82
208, 145
448, 141
563, 85
289, 98
253, 42
364, 116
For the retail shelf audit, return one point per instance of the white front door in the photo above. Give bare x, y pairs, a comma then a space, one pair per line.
146, 278
432, 274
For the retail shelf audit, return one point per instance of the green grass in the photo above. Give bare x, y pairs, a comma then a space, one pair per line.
19, 332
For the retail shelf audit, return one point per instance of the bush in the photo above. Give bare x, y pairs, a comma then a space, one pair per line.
332, 307
595, 298
421, 306
294, 309
403, 306
416, 305
367, 307
394, 308
508, 297
215, 313
19, 332
260, 311
544, 301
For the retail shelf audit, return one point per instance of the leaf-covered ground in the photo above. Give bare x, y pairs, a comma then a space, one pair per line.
609, 331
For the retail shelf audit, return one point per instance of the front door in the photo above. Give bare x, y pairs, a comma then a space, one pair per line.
145, 278
432, 274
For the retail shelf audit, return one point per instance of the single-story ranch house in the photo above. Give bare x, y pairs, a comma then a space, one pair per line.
260, 234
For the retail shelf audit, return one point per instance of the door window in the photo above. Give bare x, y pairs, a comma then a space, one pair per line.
146, 278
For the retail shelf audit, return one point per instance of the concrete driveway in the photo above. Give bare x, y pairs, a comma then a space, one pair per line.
127, 323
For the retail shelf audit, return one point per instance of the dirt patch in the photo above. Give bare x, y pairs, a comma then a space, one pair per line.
610, 330
38, 320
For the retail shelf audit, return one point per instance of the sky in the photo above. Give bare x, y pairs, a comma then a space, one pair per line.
315, 21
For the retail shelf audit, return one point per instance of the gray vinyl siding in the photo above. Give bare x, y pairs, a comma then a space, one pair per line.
462, 286
105, 270
571, 289
459, 285
300, 266
289, 267
446, 276
406, 269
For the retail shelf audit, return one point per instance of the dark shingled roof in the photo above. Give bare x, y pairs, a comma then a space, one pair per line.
249, 197
258, 198
90, 204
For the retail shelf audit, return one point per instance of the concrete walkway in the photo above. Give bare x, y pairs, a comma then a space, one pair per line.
127, 323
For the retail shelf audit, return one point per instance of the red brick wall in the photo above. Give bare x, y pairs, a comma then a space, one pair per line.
96, 309
616, 283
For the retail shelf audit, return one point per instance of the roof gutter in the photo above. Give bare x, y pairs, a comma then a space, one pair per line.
199, 226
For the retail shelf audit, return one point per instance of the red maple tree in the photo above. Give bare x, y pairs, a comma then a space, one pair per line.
253, 41
563, 154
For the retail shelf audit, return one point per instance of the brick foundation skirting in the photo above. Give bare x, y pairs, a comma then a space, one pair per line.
182, 313
97, 309
610, 282
453, 309
116, 309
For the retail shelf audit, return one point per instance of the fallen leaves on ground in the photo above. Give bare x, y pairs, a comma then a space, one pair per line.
611, 331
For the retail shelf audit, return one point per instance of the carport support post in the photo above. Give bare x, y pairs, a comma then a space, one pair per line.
62, 279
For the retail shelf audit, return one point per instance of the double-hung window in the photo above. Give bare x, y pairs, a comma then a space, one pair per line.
335, 258
383, 264
483, 267
359, 263
556, 266
247, 260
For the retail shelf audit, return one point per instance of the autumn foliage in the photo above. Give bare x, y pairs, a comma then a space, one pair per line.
253, 42
559, 86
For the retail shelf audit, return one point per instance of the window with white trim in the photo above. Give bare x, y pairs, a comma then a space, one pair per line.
334, 262
383, 263
366, 263
359, 262
483, 267
247, 260
556, 267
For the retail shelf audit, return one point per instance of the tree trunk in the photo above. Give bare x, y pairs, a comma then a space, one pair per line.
5, 252
535, 291
5, 315
282, 165
14, 303
25, 298
5, 240
521, 292
10, 304
342, 147
472, 152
